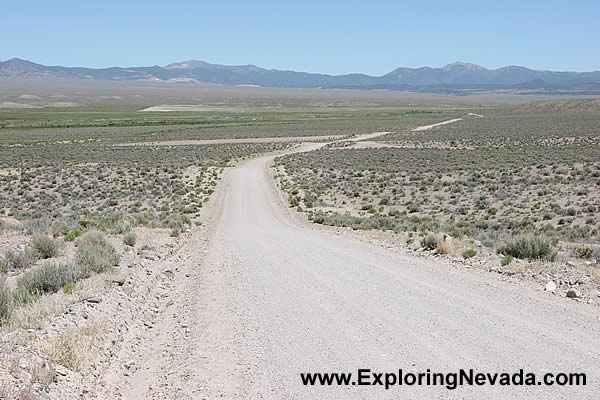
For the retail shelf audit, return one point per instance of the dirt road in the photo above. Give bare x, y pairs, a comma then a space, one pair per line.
267, 299
428, 127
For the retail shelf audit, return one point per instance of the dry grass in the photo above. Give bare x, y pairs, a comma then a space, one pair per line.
445, 247
74, 349
33, 314
518, 268
596, 276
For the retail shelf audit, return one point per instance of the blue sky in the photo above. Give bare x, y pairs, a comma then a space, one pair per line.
334, 37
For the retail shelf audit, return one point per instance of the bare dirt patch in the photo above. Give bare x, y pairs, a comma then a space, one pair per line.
188, 108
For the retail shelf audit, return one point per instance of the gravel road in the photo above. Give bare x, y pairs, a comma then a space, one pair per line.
428, 127
272, 298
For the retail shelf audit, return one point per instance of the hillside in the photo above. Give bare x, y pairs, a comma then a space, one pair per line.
572, 105
449, 79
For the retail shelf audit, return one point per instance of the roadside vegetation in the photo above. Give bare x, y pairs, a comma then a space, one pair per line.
523, 185
68, 188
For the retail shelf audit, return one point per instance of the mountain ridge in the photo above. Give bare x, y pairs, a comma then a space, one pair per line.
455, 75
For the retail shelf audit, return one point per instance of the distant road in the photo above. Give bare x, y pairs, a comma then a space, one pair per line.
428, 127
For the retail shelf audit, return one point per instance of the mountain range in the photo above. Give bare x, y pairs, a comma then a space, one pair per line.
458, 75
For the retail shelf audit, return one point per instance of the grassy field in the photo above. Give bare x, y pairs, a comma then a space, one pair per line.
493, 179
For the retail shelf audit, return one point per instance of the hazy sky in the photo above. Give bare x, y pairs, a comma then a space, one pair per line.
315, 36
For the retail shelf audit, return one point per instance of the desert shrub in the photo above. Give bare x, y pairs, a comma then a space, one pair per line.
19, 260
4, 268
95, 253
444, 247
584, 252
72, 235
430, 242
68, 288
49, 278
129, 239
529, 247
45, 246
6, 303
177, 222
506, 260
469, 253
294, 201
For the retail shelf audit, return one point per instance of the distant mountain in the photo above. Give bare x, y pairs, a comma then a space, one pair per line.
454, 76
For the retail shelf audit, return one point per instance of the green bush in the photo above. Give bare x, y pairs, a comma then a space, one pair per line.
19, 260
469, 253
506, 260
68, 288
95, 253
6, 301
294, 201
529, 247
430, 242
49, 278
72, 235
45, 246
129, 239
584, 252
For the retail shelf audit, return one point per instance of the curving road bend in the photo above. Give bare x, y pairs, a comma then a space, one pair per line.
275, 299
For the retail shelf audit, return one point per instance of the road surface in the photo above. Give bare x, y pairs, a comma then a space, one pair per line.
272, 299
428, 127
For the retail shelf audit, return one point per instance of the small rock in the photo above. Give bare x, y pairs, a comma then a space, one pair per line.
119, 280
60, 371
49, 370
550, 286
169, 273
570, 263
573, 293
94, 300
